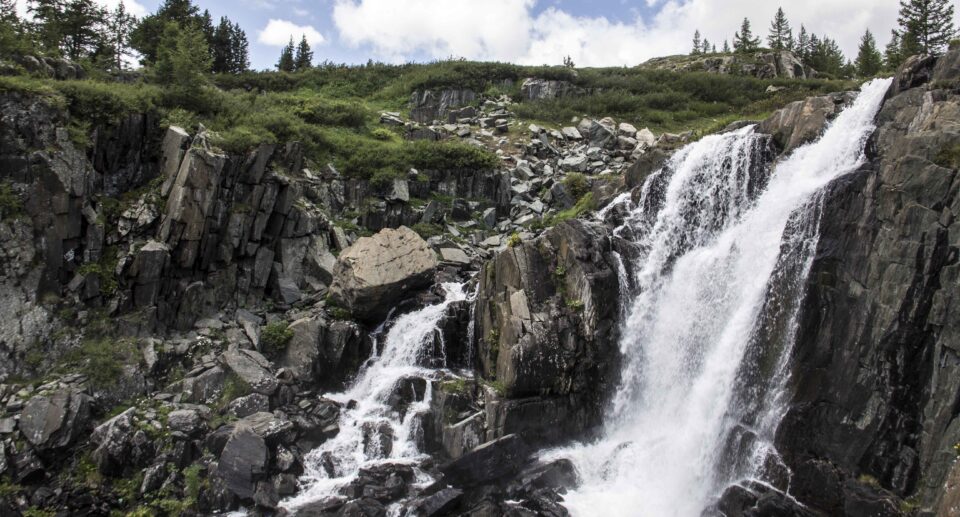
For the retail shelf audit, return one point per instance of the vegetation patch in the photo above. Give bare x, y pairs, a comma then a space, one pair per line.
275, 337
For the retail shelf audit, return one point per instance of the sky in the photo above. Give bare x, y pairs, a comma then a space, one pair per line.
591, 32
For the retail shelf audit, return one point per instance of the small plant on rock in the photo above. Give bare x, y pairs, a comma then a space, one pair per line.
274, 338
514, 240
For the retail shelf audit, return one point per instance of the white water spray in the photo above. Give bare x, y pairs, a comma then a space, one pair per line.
338, 461
717, 240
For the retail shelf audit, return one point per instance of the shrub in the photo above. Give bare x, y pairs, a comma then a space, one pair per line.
427, 230
385, 135
275, 337
514, 240
332, 113
576, 184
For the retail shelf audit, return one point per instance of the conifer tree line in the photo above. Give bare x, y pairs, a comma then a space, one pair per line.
924, 27
296, 59
83, 31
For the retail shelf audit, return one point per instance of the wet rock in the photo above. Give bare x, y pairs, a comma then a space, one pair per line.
323, 351
439, 503
376, 272
493, 460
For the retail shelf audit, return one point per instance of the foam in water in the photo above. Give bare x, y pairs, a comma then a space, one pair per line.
404, 350
717, 240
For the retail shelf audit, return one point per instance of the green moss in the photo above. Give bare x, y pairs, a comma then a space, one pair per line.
457, 386
11, 207
233, 388
193, 483
39, 512
498, 386
574, 305
949, 157
8, 489
275, 337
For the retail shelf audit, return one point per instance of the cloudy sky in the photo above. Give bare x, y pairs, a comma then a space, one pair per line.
592, 32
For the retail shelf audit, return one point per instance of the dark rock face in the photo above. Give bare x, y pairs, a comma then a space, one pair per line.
876, 369
546, 329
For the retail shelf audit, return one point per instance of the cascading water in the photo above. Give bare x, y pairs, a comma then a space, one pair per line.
720, 251
368, 414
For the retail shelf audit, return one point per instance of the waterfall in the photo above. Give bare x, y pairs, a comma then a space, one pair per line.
721, 247
370, 413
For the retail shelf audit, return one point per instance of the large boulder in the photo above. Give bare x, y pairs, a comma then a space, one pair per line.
375, 273
323, 351
54, 421
803, 121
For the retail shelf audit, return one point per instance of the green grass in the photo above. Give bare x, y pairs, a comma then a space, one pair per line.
584, 205
333, 110
275, 337
102, 360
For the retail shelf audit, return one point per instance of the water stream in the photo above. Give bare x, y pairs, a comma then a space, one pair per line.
372, 429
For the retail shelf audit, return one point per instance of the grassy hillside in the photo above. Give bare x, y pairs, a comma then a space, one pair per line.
334, 110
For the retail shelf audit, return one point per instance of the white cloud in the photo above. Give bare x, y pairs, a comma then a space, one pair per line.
277, 33
397, 29
510, 30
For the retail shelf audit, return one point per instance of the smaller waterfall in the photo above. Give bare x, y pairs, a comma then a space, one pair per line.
367, 414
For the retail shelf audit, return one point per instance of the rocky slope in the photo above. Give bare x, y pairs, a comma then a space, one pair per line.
172, 315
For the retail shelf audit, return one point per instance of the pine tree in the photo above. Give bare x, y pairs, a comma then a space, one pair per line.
825, 56
304, 56
146, 37
726, 47
118, 28
47, 23
744, 41
286, 63
892, 56
927, 26
8, 12
183, 62
713, 48
80, 26
802, 47
705, 48
869, 61
567, 62
11, 30
697, 44
222, 48
239, 50
781, 36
